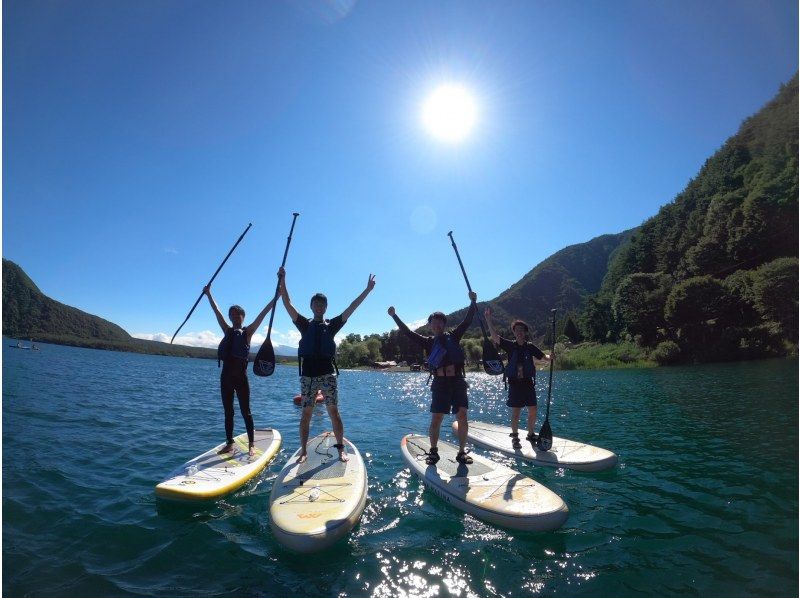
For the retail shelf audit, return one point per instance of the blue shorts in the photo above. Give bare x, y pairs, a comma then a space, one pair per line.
448, 394
521, 393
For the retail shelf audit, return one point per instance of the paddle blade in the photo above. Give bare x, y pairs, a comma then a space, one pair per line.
492, 364
264, 364
545, 440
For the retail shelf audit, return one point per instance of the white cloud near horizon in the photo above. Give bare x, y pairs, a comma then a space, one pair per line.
210, 339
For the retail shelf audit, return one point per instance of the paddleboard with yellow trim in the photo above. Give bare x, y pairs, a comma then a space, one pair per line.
564, 453
315, 503
490, 491
210, 476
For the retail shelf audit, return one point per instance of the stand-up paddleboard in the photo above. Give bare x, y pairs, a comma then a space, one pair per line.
316, 502
211, 475
488, 490
564, 453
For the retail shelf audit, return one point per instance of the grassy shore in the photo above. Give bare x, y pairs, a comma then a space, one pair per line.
594, 356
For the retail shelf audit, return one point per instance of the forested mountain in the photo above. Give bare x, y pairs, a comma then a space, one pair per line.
714, 274
563, 281
28, 313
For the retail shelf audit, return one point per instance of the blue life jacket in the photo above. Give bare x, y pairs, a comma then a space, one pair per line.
233, 345
521, 356
445, 351
317, 341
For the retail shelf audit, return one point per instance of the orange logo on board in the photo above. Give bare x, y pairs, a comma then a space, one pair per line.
308, 515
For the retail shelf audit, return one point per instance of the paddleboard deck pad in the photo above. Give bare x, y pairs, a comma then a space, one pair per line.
315, 503
490, 491
210, 476
564, 453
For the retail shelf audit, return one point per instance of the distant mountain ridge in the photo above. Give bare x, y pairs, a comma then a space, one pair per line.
563, 281
29, 313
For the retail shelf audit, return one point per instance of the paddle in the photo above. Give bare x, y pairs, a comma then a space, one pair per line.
264, 364
545, 440
210, 281
492, 364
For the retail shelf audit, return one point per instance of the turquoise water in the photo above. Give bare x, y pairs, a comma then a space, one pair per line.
704, 499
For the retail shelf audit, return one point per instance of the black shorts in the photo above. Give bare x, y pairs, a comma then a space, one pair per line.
448, 394
521, 393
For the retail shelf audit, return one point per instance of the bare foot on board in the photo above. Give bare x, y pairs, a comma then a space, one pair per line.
226, 450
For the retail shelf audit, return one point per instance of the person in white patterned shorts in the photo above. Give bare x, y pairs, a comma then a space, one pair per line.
317, 352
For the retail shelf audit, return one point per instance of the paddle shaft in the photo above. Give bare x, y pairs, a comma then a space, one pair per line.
552, 359
283, 263
191, 311
469, 288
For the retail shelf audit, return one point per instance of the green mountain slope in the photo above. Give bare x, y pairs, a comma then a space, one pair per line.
714, 274
28, 313
563, 280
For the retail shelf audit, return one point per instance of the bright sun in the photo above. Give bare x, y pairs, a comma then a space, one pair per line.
449, 113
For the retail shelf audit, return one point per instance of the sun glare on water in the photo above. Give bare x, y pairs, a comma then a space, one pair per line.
450, 113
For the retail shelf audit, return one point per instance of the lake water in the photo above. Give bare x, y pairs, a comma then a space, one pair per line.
704, 499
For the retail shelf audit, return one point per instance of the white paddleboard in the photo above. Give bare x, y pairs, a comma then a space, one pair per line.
317, 502
488, 490
564, 453
211, 476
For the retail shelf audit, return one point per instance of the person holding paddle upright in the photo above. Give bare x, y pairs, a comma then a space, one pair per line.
520, 374
446, 364
233, 352
317, 357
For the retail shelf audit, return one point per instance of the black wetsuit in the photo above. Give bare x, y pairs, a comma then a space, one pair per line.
234, 379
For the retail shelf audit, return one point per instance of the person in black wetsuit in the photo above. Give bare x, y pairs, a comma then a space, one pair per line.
446, 363
317, 353
233, 352
520, 374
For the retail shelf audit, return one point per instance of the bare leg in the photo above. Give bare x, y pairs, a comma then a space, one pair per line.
463, 427
338, 430
433, 431
515, 419
531, 419
305, 424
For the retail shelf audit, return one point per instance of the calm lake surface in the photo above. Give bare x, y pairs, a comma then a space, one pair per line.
704, 499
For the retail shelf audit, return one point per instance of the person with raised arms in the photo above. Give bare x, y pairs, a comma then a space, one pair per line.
520, 374
233, 352
317, 357
449, 386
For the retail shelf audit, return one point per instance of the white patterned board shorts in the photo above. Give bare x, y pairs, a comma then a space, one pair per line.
310, 385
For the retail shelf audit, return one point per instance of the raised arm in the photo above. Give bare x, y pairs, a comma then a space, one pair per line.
287, 303
492, 332
222, 323
473, 308
251, 329
357, 301
417, 338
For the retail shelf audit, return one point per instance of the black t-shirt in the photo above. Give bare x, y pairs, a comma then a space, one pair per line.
318, 366
509, 346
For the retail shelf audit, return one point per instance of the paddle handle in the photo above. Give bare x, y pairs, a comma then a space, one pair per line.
283, 263
191, 311
469, 287
552, 359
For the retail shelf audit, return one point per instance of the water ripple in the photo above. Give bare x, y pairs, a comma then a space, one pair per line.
703, 501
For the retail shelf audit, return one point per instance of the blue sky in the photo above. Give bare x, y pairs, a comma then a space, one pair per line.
140, 138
